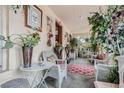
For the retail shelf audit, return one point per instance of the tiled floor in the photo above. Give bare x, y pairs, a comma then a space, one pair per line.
75, 80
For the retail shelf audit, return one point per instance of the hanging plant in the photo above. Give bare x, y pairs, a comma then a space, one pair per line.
15, 8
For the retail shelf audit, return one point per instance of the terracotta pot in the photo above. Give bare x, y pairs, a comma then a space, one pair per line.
102, 56
27, 56
97, 48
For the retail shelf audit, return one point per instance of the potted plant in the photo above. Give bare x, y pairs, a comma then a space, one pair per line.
73, 43
58, 50
27, 43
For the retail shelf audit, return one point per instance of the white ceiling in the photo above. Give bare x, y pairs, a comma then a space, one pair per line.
75, 16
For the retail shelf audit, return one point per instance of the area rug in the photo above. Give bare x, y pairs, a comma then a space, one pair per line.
86, 70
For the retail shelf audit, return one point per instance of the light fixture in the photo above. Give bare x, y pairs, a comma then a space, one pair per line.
81, 17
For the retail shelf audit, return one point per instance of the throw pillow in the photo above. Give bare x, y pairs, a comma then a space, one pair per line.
51, 59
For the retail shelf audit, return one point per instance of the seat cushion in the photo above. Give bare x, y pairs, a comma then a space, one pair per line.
81, 69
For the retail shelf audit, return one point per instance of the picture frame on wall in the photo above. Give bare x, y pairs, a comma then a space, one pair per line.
33, 17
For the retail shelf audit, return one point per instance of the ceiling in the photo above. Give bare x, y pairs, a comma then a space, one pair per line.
75, 16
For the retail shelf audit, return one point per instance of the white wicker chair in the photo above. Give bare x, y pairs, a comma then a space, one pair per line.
103, 62
102, 67
102, 70
58, 71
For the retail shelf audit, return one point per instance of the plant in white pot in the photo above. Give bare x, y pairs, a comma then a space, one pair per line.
27, 43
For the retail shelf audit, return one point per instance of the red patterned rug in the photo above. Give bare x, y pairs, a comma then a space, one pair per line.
82, 69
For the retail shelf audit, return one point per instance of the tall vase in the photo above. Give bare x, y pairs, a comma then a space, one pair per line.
27, 56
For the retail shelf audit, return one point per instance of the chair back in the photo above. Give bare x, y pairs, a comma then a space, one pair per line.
46, 54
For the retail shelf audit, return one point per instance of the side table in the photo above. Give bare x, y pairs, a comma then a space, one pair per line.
38, 67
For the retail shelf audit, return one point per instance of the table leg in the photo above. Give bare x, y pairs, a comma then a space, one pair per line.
34, 79
42, 82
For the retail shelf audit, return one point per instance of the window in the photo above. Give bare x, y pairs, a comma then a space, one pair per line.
3, 31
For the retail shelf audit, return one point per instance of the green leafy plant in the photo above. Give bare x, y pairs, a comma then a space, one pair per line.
113, 75
58, 50
15, 8
107, 25
74, 43
100, 24
29, 40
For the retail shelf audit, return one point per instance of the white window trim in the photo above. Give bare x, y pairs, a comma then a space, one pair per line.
5, 30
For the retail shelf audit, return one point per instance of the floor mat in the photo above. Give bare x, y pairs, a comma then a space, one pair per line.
86, 70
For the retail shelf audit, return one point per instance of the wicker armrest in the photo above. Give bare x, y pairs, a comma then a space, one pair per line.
97, 61
104, 66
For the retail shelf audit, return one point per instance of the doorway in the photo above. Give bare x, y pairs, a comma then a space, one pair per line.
58, 36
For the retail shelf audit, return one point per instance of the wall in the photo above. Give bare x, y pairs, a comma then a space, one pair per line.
16, 26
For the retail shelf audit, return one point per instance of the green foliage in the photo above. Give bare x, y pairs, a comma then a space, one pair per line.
101, 23
8, 42
113, 75
74, 42
29, 40
58, 47
15, 8
112, 9
2, 37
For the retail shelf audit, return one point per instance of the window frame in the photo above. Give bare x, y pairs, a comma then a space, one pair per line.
4, 30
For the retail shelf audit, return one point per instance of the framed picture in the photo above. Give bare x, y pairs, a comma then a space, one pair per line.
33, 17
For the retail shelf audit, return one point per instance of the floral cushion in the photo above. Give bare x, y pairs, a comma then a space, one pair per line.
81, 69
